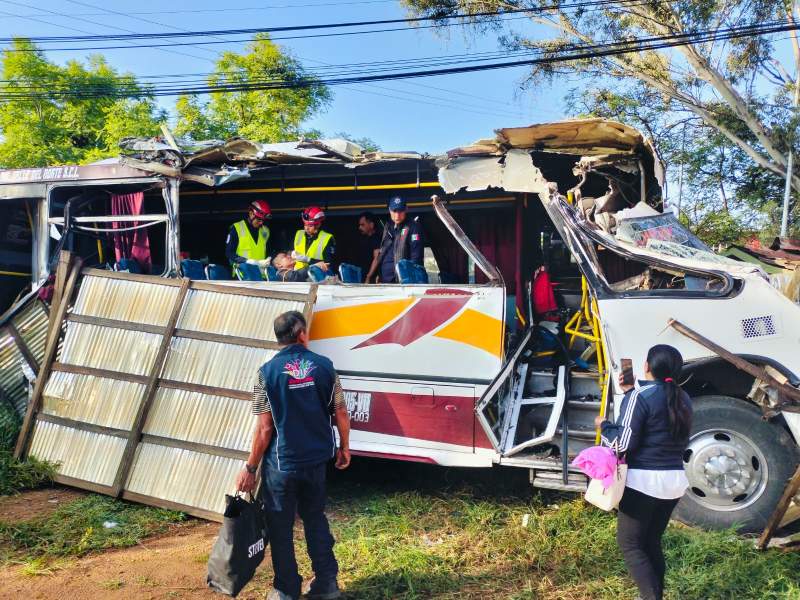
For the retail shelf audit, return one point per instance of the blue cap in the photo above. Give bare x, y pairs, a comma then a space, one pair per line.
397, 204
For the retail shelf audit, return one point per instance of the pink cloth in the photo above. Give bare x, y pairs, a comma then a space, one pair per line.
598, 462
130, 244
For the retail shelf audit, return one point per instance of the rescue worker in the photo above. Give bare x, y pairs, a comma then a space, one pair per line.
313, 245
296, 395
248, 239
402, 239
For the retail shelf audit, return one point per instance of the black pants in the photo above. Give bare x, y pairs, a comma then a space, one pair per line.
641, 522
286, 493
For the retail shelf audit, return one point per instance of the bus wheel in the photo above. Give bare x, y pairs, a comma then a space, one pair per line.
737, 465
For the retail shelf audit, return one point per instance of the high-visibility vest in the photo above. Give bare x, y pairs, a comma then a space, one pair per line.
315, 250
248, 247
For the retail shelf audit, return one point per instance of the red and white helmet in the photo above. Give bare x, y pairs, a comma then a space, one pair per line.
313, 214
261, 209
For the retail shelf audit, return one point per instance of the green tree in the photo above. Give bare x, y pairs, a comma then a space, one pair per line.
46, 129
260, 115
735, 87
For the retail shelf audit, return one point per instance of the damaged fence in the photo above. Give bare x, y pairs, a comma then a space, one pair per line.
22, 340
149, 397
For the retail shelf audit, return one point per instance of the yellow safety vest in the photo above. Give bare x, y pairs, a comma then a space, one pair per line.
315, 250
248, 247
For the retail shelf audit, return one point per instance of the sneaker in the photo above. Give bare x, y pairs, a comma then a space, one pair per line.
322, 591
276, 594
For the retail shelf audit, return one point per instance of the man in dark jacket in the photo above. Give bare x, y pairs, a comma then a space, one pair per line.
402, 239
295, 397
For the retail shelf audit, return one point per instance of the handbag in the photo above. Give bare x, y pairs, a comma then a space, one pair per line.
239, 549
608, 498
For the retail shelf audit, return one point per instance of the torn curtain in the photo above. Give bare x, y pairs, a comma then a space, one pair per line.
130, 243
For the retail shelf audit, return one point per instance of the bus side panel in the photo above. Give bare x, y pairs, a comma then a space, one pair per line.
413, 361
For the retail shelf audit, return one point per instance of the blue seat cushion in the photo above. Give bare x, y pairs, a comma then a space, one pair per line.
193, 269
411, 272
217, 272
350, 273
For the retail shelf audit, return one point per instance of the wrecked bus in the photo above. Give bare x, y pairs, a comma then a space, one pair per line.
458, 371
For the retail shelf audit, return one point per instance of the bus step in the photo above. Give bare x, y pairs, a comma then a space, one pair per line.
552, 480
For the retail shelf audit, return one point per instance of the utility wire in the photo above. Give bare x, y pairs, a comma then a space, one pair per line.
306, 27
577, 52
227, 9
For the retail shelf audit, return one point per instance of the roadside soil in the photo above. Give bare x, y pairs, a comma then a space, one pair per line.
169, 566
38, 503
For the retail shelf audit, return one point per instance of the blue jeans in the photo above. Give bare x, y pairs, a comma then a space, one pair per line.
302, 491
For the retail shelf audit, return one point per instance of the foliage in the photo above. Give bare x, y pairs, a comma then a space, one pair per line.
366, 143
738, 88
18, 475
415, 537
9, 424
269, 115
85, 525
51, 130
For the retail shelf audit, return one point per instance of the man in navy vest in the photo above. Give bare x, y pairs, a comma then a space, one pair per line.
296, 395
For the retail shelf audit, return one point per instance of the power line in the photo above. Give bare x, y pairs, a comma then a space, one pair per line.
466, 107
227, 9
576, 52
307, 27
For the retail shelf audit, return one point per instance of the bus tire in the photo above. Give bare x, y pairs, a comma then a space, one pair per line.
737, 464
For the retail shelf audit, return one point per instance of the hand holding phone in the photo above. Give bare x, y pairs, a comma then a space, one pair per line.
626, 379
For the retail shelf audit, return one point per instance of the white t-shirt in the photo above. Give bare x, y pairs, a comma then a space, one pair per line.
666, 485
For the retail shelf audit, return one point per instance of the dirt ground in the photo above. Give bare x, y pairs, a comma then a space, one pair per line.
35, 504
169, 566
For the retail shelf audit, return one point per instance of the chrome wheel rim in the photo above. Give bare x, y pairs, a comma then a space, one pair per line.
725, 469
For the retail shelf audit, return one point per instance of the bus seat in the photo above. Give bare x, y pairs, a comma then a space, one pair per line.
316, 274
350, 273
448, 278
249, 272
410, 272
127, 264
272, 274
217, 272
193, 269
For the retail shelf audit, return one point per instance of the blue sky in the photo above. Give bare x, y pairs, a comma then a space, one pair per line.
430, 114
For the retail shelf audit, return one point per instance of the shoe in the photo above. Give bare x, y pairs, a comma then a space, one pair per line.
276, 594
322, 591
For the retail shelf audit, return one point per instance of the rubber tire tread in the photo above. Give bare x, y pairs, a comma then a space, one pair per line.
774, 441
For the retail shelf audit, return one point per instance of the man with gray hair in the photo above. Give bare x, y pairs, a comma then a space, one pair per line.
296, 396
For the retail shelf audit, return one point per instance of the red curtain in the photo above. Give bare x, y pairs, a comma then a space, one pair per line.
133, 244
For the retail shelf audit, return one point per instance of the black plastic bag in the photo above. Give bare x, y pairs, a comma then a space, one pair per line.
239, 549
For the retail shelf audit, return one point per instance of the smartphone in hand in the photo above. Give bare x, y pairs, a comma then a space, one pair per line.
627, 371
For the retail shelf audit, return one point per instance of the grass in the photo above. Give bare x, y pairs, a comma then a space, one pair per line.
77, 528
415, 537
18, 475
410, 532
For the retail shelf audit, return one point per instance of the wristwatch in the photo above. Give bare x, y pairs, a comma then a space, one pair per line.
251, 470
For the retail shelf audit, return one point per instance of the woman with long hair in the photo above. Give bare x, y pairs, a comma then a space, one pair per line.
652, 431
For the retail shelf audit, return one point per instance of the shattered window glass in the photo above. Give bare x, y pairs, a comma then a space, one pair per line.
639, 231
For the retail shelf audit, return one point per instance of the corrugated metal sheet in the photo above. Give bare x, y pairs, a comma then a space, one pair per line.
213, 363
15, 373
132, 301
32, 323
201, 418
80, 454
183, 476
93, 400
13, 379
229, 314
108, 348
